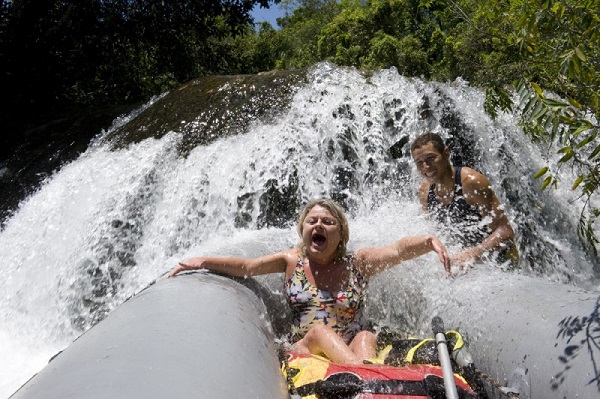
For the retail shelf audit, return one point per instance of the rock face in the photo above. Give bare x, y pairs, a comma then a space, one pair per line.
211, 107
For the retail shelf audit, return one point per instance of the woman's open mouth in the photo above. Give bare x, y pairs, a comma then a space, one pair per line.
318, 239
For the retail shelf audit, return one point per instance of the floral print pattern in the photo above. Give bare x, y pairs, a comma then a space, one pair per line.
310, 305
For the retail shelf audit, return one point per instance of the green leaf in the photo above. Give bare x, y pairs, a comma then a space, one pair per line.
576, 66
567, 156
586, 140
566, 119
532, 101
577, 182
540, 172
580, 54
559, 9
595, 152
582, 128
574, 103
537, 89
538, 111
567, 55
554, 103
564, 150
547, 181
555, 127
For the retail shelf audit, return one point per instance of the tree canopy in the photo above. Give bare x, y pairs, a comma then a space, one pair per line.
98, 52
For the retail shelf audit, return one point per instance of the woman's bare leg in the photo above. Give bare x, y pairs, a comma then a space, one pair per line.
321, 339
364, 345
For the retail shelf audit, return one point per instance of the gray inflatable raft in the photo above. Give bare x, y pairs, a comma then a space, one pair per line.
206, 336
547, 332
195, 336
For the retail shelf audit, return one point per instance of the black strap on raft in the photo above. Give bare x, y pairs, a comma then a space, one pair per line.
288, 372
347, 385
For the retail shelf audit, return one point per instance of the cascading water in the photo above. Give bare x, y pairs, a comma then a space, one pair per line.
115, 220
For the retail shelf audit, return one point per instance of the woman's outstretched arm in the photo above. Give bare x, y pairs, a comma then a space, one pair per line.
374, 260
238, 267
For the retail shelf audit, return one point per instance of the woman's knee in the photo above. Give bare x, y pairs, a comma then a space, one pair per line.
320, 330
366, 337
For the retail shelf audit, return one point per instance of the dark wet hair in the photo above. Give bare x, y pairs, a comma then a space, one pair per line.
338, 213
429, 137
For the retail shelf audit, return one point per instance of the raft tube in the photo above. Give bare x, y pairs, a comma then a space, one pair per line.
203, 335
195, 336
542, 335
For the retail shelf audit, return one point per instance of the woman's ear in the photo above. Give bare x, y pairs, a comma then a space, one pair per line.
446, 153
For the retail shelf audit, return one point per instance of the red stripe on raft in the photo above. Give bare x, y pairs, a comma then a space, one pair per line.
371, 372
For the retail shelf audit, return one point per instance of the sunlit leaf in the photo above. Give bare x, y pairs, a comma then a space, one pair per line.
537, 89
564, 150
559, 9
577, 182
574, 103
580, 54
547, 181
540, 172
567, 157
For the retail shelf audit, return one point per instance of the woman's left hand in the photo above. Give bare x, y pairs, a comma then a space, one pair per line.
440, 249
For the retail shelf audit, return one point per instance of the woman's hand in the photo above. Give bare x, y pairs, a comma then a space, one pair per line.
191, 264
440, 249
466, 259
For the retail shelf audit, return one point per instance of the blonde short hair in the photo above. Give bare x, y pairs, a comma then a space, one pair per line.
338, 213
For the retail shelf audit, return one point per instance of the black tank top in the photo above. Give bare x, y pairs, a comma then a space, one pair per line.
462, 220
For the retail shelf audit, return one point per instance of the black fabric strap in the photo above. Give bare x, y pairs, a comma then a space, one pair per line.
346, 385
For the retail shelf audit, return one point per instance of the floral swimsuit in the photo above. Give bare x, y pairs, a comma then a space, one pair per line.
310, 305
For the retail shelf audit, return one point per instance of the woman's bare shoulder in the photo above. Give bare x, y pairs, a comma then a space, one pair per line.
471, 178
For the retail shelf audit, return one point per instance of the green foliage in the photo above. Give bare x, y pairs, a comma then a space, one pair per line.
406, 54
64, 54
557, 87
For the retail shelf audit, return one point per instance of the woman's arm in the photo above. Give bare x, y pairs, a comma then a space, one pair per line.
238, 267
371, 261
478, 192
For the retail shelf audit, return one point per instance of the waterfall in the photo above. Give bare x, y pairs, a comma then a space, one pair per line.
110, 223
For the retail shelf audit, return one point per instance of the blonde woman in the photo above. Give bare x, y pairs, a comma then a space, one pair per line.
325, 285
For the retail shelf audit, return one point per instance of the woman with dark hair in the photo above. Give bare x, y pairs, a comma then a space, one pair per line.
462, 199
325, 285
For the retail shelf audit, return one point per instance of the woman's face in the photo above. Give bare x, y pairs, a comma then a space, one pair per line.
320, 232
430, 163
